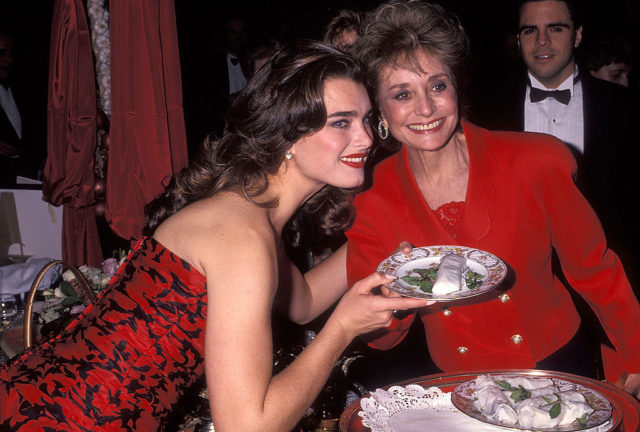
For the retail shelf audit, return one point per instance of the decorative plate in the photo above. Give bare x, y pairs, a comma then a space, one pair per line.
484, 271
463, 398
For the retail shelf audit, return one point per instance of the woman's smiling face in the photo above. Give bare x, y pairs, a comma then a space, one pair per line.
419, 105
336, 154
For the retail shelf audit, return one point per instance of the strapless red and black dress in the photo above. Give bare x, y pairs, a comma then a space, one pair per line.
124, 362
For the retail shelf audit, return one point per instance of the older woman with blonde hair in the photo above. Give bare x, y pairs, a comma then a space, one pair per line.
511, 194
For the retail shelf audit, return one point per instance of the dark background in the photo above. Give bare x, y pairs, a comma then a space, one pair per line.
486, 21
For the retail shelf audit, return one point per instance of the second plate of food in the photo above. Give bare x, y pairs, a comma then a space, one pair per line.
418, 272
541, 403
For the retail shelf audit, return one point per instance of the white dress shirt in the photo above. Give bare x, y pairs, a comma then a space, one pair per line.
237, 80
8, 104
549, 116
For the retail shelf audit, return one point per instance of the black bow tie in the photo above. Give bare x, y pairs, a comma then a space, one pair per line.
234, 60
562, 96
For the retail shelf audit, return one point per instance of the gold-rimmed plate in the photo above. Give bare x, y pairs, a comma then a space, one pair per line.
464, 397
625, 408
485, 269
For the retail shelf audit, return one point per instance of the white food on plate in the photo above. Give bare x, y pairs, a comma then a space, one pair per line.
534, 413
449, 277
496, 403
489, 399
574, 405
505, 414
529, 383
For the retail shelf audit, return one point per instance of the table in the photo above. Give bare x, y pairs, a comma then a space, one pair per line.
11, 341
629, 406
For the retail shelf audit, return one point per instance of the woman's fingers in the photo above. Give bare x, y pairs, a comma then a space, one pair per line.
372, 281
385, 291
632, 385
403, 303
361, 311
405, 247
366, 285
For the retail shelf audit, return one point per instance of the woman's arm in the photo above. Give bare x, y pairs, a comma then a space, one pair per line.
303, 298
590, 267
244, 396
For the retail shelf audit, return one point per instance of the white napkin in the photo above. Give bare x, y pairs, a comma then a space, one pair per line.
442, 421
17, 278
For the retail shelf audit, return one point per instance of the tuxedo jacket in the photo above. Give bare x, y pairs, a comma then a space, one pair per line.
206, 96
7, 132
32, 146
607, 170
521, 201
9, 166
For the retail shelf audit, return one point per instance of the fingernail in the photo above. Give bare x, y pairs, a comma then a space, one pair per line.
390, 277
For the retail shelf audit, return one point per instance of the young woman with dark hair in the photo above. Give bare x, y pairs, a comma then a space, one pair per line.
197, 294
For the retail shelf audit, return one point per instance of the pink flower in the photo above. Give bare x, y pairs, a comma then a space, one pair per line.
109, 266
77, 309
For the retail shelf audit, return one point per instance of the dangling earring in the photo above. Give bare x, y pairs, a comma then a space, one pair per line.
383, 130
288, 155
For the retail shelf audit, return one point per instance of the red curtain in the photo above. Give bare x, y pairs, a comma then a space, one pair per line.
148, 140
71, 133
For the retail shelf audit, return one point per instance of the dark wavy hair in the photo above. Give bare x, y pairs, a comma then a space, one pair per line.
280, 104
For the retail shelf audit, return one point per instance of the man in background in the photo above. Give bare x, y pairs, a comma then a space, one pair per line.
609, 56
594, 118
22, 142
214, 77
10, 119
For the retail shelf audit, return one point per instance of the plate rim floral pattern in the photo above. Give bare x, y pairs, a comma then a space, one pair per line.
495, 267
462, 398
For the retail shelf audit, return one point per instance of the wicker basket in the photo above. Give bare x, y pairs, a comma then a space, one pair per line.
80, 284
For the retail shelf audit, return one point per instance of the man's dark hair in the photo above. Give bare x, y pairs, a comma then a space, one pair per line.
573, 5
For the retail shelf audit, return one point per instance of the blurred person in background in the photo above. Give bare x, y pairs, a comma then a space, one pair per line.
609, 56
343, 30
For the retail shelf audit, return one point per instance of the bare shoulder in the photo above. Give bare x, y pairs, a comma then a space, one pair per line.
217, 230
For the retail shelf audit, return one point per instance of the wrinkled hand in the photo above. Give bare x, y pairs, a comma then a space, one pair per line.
360, 311
630, 383
405, 247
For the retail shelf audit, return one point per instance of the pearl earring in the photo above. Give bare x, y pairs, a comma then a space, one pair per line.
289, 155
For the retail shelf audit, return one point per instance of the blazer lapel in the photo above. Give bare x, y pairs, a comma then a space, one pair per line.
481, 192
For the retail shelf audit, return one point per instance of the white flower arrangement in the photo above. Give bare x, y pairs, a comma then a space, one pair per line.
67, 297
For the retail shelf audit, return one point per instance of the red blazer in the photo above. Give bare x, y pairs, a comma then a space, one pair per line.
521, 201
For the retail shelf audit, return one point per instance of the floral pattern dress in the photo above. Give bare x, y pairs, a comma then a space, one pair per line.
124, 362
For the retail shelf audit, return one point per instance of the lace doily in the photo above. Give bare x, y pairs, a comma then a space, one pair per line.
378, 410
416, 409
